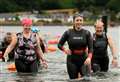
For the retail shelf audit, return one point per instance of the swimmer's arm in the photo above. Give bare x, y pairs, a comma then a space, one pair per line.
112, 47
39, 50
90, 45
63, 40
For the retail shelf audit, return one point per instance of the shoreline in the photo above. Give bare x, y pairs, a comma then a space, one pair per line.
86, 23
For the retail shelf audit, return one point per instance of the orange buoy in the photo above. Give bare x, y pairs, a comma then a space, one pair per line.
53, 41
51, 48
11, 67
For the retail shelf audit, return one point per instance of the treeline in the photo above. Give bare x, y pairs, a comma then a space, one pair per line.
94, 6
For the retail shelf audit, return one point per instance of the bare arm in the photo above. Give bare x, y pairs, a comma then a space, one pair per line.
38, 49
112, 46
113, 49
12, 45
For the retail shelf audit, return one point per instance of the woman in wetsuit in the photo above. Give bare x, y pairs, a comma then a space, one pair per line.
27, 49
78, 40
100, 60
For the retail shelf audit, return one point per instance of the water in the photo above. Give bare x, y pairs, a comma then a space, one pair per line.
56, 71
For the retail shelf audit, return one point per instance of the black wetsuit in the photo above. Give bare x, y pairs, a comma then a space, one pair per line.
100, 60
77, 40
42, 45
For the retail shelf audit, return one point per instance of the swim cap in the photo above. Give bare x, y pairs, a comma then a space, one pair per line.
34, 29
26, 21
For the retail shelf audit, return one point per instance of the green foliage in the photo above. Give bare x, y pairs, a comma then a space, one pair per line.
114, 5
8, 5
31, 5
50, 4
102, 3
84, 4
67, 4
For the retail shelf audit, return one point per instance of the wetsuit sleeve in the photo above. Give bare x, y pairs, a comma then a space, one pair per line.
90, 44
63, 40
1, 46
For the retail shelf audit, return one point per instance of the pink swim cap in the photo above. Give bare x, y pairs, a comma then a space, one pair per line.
26, 21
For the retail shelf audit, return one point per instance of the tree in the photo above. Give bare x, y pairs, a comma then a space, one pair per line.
8, 5
114, 5
50, 4
67, 4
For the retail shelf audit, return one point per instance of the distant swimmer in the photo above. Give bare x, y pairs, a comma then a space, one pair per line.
43, 43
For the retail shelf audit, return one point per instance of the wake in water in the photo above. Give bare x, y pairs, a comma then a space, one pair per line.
110, 76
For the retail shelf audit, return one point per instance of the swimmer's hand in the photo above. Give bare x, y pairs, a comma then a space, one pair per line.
6, 57
67, 51
87, 61
45, 64
114, 62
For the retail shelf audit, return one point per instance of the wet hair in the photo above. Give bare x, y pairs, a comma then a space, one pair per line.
77, 15
98, 21
8, 34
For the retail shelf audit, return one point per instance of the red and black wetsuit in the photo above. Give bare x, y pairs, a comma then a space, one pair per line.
77, 41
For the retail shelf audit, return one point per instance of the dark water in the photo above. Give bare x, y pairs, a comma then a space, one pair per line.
56, 71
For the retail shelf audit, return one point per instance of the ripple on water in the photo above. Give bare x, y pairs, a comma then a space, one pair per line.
56, 71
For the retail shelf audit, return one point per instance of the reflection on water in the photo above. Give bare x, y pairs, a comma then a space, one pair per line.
56, 71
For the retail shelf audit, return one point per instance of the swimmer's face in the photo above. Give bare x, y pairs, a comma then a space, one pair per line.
26, 22
78, 22
99, 27
27, 28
